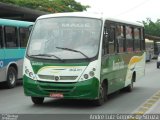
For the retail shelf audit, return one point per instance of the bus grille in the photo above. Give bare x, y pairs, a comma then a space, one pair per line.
51, 77
56, 88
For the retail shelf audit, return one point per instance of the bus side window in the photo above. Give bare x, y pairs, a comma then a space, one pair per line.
105, 42
142, 39
111, 41
1, 37
120, 38
137, 39
11, 37
23, 35
129, 39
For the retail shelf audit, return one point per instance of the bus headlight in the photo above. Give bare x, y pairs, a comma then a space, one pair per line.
94, 69
86, 76
29, 73
91, 73
26, 71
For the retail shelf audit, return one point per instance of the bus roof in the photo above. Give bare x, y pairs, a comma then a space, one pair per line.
89, 15
8, 22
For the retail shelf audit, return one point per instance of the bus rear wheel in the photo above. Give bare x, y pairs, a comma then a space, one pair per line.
11, 77
102, 95
37, 100
129, 88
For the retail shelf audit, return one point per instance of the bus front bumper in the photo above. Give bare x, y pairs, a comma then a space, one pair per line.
87, 89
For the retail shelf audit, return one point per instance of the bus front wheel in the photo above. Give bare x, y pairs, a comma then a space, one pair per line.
102, 95
11, 77
37, 100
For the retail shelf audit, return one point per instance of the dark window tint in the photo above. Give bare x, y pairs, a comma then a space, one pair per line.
24, 34
1, 37
129, 39
120, 37
136, 39
142, 40
105, 40
11, 37
112, 41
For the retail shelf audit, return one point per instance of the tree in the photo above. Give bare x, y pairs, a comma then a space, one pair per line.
152, 28
52, 6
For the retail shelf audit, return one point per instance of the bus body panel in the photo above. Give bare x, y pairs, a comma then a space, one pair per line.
136, 65
113, 70
2, 67
71, 82
15, 23
15, 56
78, 90
118, 69
11, 57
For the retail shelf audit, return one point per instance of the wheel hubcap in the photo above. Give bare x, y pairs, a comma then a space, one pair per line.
12, 78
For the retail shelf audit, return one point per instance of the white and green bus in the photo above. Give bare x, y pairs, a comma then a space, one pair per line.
82, 56
14, 35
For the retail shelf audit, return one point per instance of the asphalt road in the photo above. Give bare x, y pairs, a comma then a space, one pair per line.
13, 100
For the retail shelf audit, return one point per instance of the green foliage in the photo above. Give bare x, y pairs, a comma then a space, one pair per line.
152, 28
49, 5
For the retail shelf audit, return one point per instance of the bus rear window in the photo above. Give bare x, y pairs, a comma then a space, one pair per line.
23, 34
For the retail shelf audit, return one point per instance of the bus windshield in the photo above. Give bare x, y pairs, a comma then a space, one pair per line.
65, 38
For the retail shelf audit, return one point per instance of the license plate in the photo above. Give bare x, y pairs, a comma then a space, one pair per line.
56, 95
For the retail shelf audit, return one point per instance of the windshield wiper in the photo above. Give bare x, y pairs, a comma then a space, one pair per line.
48, 55
69, 49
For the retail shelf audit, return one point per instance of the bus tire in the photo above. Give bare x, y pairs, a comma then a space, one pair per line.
102, 95
157, 66
11, 77
150, 58
37, 100
129, 88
